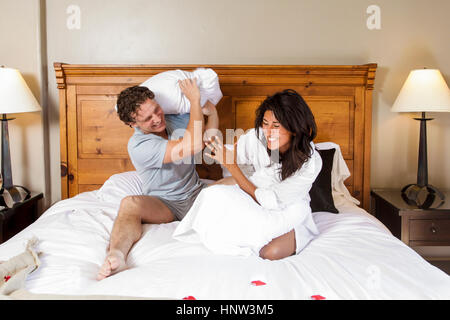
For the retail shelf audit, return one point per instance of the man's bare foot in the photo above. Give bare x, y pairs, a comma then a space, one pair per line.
114, 262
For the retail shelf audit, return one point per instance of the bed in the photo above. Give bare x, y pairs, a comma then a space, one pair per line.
354, 257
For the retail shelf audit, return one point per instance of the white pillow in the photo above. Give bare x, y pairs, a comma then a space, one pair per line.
123, 184
168, 92
120, 185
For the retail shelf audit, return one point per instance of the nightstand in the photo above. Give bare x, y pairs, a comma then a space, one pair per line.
413, 225
13, 220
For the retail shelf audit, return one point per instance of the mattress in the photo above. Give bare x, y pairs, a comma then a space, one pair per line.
354, 257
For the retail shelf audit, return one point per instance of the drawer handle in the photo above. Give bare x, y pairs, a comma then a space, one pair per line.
433, 230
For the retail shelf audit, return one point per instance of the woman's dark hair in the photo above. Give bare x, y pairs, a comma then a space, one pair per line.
294, 115
130, 100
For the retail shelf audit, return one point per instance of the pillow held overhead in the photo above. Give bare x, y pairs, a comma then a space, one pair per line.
168, 93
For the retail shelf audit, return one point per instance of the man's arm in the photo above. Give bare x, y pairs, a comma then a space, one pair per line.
192, 141
212, 124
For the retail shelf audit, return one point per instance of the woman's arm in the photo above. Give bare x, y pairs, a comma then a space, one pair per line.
242, 180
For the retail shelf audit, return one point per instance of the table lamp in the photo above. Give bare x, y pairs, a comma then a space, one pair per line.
15, 97
425, 90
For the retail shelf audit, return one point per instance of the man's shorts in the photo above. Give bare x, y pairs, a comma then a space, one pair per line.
180, 208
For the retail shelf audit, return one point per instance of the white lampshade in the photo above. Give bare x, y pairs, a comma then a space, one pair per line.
425, 90
15, 96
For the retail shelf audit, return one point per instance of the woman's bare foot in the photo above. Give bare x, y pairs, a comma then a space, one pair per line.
114, 262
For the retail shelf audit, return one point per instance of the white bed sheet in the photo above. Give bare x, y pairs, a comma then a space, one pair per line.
354, 257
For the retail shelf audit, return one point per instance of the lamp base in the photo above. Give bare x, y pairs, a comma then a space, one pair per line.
421, 196
12, 195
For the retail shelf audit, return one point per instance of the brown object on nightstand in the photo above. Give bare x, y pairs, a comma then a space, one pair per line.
414, 226
13, 220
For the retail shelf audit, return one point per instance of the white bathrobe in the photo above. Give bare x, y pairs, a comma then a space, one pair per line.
228, 221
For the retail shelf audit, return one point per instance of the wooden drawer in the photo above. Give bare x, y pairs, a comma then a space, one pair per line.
429, 230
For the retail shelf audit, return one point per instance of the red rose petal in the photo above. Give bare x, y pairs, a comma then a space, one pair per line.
189, 298
317, 297
258, 283
7, 278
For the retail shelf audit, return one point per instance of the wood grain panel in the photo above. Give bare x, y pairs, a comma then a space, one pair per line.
72, 154
335, 121
246, 90
367, 141
97, 171
226, 114
63, 142
245, 111
358, 158
100, 131
88, 187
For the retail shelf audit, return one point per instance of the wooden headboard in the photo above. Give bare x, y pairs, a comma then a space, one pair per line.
94, 140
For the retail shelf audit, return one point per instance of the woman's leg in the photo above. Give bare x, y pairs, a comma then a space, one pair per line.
280, 247
127, 229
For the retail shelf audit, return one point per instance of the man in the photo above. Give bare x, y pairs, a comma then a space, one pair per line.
170, 183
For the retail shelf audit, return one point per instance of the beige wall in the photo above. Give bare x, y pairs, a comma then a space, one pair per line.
21, 49
413, 34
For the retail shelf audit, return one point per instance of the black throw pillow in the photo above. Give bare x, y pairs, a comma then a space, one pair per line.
320, 193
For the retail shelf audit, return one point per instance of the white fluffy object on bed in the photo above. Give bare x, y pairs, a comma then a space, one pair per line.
228, 221
120, 185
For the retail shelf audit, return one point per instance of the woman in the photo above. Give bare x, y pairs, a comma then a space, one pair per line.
279, 222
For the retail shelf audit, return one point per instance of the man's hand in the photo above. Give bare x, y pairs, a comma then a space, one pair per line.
220, 153
209, 109
190, 90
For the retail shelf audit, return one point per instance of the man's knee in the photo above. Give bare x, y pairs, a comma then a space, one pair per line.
146, 208
130, 204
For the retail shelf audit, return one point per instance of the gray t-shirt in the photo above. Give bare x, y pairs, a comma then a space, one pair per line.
171, 181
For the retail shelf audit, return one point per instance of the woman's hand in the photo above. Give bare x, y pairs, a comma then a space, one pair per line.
190, 89
227, 158
220, 153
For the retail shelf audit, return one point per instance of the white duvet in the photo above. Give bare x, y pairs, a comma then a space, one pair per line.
227, 220
354, 257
